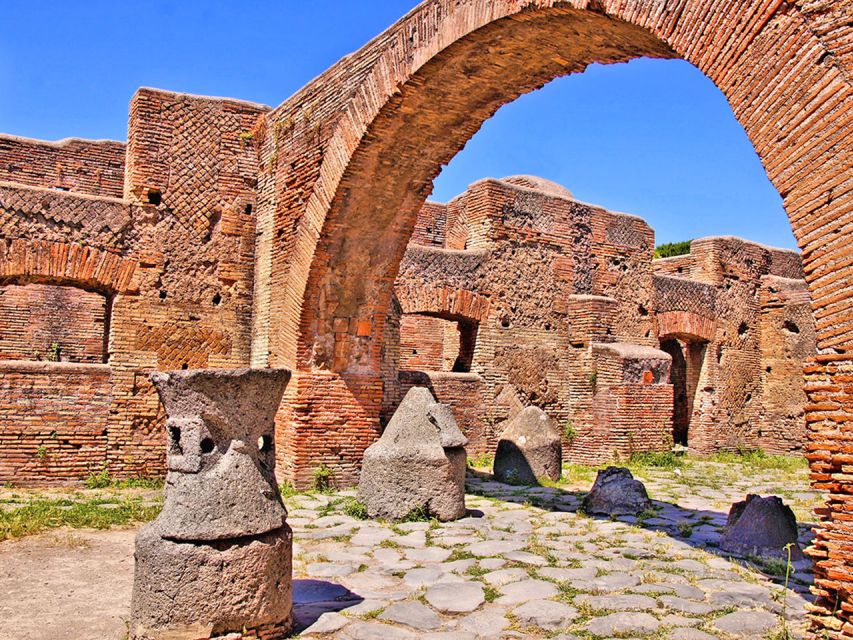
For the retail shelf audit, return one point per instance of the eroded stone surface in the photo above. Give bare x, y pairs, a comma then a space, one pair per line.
409, 469
529, 448
218, 557
761, 527
616, 493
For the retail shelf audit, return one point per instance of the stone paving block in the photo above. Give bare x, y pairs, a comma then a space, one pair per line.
622, 624
461, 597
412, 614
746, 623
545, 614
526, 590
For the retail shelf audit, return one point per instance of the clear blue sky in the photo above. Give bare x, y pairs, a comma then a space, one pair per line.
653, 138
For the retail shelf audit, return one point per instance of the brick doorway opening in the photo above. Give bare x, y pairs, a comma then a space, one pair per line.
688, 355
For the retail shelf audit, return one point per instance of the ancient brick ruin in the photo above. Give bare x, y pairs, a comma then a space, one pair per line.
516, 294
513, 294
227, 234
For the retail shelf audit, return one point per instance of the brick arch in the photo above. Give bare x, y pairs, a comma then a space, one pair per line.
435, 76
38, 261
443, 302
353, 158
684, 324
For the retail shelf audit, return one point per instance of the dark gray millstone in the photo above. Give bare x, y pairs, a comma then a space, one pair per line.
529, 449
616, 493
761, 527
221, 461
409, 468
215, 587
218, 558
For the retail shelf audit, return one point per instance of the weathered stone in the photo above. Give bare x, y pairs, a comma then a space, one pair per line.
623, 624
218, 557
546, 614
488, 548
746, 623
616, 493
683, 605
327, 623
222, 585
375, 631
505, 576
220, 482
686, 633
410, 469
412, 614
424, 576
526, 590
487, 622
623, 602
529, 448
761, 527
456, 598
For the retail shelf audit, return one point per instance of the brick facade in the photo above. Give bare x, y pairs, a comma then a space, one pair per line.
543, 279
93, 167
736, 317
140, 282
558, 277
42, 322
54, 420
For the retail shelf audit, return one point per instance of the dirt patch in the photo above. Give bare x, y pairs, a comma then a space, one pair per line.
67, 585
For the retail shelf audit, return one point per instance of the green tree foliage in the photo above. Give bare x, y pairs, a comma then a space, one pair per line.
671, 249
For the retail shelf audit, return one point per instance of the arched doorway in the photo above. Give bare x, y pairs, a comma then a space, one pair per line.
350, 161
687, 358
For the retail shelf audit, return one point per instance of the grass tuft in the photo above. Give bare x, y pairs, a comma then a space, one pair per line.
39, 515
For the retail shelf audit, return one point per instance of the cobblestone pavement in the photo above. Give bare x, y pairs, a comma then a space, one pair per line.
522, 564
525, 564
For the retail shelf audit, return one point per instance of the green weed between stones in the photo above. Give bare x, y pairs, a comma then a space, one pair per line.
490, 593
482, 461
323, 479
354, 509
658, 459
104, 480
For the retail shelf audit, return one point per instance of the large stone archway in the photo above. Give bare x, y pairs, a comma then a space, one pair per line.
349, 160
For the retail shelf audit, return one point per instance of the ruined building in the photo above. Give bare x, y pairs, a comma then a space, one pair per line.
119, 261
229, 234
515, 293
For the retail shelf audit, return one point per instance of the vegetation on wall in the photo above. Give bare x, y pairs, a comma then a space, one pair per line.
670, 249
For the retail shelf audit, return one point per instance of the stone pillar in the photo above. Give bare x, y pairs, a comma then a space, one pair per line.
218, 559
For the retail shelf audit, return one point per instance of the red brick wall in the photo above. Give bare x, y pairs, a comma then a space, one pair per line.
829, 417
422, 342
180, 273
34, 318
736, 295
327, 420
94, 167
542, 268
787, 345
431, 226
628, 419
54, 419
